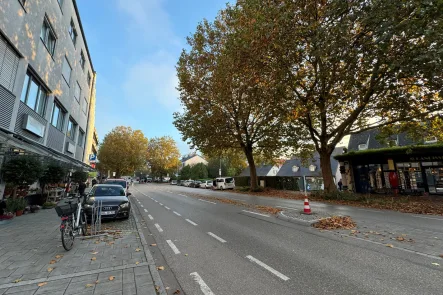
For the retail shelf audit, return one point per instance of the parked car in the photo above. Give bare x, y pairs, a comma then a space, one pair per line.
149, 179
114, 199
119, 181
206, 184
188, 183
225, 183
173, 182
182, 182
195, 184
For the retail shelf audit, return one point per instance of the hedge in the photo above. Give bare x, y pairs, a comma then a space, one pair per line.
276, 182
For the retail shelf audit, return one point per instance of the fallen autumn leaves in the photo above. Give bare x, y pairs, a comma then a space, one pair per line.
335, 222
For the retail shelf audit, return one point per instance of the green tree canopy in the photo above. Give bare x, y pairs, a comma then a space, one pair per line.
21, 170
185, 173
79, 176
123, 151
199, 171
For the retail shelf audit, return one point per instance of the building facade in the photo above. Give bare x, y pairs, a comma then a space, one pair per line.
193, 159
400, 166
47, 81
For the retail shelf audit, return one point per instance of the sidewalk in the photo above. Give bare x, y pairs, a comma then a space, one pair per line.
33, 261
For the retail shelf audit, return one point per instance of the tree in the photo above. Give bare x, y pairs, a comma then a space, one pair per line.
233, 162
79, 176
54, 172
185, 173
163, 155
123, 151
199, 171
21, 170
226, 104
349, 66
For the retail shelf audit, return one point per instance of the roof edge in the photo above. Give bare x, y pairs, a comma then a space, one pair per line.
83, 33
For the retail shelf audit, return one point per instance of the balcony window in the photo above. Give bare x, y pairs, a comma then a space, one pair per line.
82, 60
77, 92
34, 94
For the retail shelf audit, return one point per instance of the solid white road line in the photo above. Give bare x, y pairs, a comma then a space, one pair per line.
167, 208
373, 211
203, 287
418, 216
191, 222
146, 211
207, 201
173, 247
158, 227
216, 237
288, 208
178, 214
150, 217
256, 213
268, 268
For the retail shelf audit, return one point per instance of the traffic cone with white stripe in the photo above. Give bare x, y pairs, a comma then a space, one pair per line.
307, 208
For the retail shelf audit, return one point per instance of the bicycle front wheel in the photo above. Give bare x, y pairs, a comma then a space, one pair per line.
67, 236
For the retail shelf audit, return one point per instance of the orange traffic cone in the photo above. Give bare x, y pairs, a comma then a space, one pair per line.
307, 208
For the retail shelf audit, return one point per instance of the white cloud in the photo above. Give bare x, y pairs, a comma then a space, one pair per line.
153, 80
149, 21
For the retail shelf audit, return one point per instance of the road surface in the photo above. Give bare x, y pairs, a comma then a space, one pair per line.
213, 248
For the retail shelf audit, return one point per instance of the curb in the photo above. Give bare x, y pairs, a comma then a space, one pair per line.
153, 269
299, 221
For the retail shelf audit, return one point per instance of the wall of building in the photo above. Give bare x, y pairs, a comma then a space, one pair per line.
90, 142
21, 25
195, 160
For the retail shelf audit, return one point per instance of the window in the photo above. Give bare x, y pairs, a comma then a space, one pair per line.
81, 138
58, 116
77, 92
8, 64
82, 60
22, 2
73, 31
85, 106
60, 2
89, 78
34, 95
48, 36
362, 147
66, 70
71, 129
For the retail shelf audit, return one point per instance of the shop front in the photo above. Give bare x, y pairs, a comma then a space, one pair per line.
408, 170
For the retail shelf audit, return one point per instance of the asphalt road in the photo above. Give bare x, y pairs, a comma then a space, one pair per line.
221, 249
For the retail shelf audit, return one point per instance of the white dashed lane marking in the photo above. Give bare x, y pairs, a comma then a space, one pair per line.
146, 211
203, 287
167, 208
191, 222
158, 227
216, 237
178, 214
173, 247
150, 217
207, 201
268, 268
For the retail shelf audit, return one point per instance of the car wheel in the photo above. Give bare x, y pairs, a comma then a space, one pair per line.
221, 187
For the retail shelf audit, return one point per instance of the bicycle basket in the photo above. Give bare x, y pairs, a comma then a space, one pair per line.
66, 209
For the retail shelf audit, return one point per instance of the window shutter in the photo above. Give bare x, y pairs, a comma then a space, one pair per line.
8, 65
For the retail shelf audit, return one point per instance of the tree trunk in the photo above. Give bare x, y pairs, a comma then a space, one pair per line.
328, 177
14, 192
252, 169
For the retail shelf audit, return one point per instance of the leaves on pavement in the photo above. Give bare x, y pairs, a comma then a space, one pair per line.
435, 263
335, 222
93, 253
137, 250
42, 284
176, 292
17, 281
111, 278
52, 261
160, 268
153, 245
94, 258
89, 285
58, 256
390, 245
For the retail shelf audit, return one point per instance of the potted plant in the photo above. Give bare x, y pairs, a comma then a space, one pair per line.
21, 170
20, 206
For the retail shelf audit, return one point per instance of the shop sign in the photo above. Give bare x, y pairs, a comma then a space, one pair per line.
426, 158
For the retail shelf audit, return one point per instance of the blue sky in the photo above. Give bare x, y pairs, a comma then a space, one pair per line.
134, 47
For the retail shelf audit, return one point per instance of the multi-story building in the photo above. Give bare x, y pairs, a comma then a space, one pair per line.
47, 80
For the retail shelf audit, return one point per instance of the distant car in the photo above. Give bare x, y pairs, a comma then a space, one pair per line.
148, 179
173, 182
182, 183
188, 183
206, 184
115, 202
223, 183
119, 181
195, 184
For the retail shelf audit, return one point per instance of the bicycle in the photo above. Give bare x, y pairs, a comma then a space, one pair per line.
74, 222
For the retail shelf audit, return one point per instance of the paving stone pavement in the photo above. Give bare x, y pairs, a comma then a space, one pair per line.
33, 261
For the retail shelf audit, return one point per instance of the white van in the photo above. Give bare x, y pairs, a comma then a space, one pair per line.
223, 183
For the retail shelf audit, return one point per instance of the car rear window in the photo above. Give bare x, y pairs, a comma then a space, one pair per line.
229, 180
101, 191
120, 182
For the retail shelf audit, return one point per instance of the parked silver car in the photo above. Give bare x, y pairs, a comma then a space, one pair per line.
206, 184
